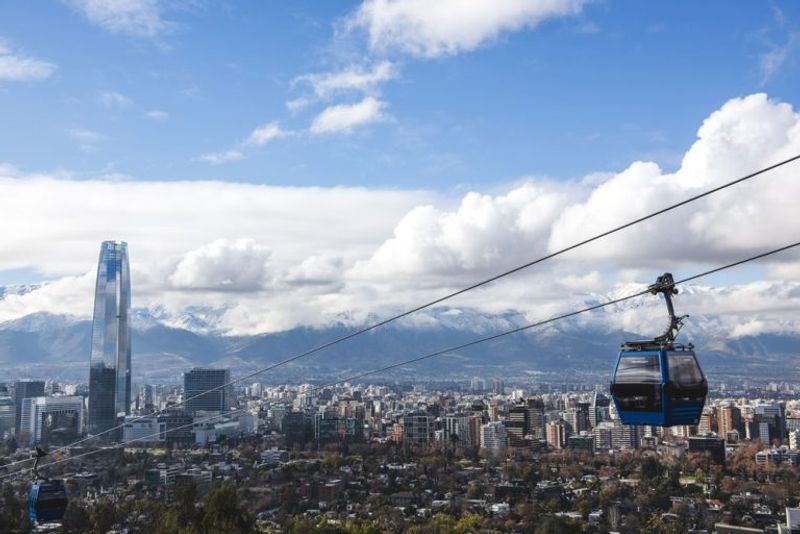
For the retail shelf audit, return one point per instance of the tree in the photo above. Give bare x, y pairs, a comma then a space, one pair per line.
76, 519
224, 513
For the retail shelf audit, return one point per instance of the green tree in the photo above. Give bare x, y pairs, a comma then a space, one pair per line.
76, 519
224, 513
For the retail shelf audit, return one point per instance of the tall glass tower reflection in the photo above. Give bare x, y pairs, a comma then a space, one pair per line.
110, 364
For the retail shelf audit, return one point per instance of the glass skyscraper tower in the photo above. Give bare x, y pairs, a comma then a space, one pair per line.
110, 364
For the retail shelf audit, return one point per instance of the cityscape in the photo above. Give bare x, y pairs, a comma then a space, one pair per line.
399, 266
464, 456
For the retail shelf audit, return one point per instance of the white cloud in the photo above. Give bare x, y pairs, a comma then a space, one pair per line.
218, 158
87, 139
345, 117
264, 134
486, 234
85, 135
16, 67
445, 27
157, 115
770, 62
316, 270
354, 78
137, 18
224, 265
259, 137
113, 99
173, 229
297, 104
356, 251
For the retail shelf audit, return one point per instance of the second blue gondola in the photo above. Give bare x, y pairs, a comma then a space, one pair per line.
47, 500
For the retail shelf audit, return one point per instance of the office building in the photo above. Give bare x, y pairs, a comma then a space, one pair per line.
712, 445
51, 421
144, 431
110, 363
517, 425
417, 428
207, 390
729, 419
7, 416
494, 437
25, 390
457, 430
556, 434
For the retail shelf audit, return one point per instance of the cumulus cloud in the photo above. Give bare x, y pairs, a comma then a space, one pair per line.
431, 29
264, 134
137, 18
157, 115
316, 270
15, 67
438, 247
484, 233
224, 265
345, 117
354, 78
172, 230
218, 158
113, 99
259, 137
744, 135
356, 251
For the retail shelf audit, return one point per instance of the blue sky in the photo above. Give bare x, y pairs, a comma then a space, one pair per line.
590, 92
285, 163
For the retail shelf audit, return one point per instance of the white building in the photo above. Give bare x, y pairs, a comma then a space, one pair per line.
456, 429
51, 420
794, 439
494, 437
144, 430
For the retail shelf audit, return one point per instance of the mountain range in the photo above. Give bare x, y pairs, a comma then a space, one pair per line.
43, 345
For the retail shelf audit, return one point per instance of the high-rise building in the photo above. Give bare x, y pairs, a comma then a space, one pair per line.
7, 410
417, 428
625, 436
51, 420
536, 418
556, 434
25, 390
517, 425
457, 430
110, 363
207, 390
711, 444
494, 437
794, 439
598, 409
729, 419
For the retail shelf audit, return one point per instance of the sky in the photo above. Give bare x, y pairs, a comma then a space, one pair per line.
293, 163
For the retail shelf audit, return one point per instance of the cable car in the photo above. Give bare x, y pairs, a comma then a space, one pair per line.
47, 500
658, 382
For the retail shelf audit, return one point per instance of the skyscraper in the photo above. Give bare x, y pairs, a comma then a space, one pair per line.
25, 390
110, 364
207, 390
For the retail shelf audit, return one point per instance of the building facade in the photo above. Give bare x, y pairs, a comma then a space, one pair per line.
24, 390
494, 437
110, 363
207, 390
51, 420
